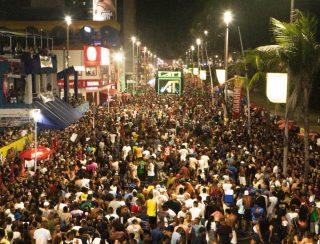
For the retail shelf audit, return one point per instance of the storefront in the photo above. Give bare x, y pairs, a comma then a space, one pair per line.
97, 74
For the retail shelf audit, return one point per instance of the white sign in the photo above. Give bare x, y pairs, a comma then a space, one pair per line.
103, 10
277, 87
203, 75
221, 76
73, 137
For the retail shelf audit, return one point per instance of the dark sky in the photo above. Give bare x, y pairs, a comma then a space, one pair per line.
169, 27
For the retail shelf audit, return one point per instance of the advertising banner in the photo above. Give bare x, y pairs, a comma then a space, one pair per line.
45, 62
104, 10
17, 145
169, 82
237, 93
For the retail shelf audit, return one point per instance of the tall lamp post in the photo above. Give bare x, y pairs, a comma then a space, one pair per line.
209, 64
227, 17
198, 41
192, 49
36, 116
119, 58
68, 22
133, 39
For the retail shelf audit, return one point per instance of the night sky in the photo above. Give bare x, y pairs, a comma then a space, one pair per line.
169, 27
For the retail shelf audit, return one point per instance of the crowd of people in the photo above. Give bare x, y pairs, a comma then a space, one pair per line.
163, 169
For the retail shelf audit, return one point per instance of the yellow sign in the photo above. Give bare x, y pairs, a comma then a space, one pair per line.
17, 146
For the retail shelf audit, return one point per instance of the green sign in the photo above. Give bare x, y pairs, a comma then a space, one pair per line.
169, 74
169, 82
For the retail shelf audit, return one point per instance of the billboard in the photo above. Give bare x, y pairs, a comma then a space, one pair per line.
104, 10
169, 82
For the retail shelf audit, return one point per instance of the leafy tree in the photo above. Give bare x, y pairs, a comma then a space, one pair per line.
297, 46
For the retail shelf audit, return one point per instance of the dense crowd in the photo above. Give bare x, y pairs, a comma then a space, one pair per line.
163, 169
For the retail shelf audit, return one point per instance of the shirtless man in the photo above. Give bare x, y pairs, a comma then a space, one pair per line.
247, 203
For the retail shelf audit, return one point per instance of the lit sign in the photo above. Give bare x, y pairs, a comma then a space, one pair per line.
167, 74
92, 54
105, 56
103, 10
277, 87
203, 75
92, 83
169, 82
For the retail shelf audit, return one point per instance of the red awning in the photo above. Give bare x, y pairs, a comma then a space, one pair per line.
42, 153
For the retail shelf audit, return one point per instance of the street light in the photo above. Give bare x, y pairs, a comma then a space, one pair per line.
192, 49
119, 58
227, 17
198, 41
138, 63
68, 22
209, 64
133, 40
36, 113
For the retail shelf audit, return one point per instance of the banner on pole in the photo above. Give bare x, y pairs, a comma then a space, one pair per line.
237, 93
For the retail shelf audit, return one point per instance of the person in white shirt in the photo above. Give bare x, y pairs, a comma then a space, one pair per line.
150, 171
113, 137
204, 194
182, 212
291, 215
183, 153
42, 235
188, 201
273, 200
125, 151
195, 211
206, 159
193, 162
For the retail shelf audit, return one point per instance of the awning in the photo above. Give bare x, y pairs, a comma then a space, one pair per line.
56, 114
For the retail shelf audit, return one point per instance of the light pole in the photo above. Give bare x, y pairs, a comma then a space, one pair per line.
209, 64
36, 116
198, 41
133, 39
138, 62
68, 21
119, 58
227, 17
192, 49
291, 10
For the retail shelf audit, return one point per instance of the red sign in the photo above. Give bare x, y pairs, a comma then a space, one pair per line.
81, 83
92, 55
237, 99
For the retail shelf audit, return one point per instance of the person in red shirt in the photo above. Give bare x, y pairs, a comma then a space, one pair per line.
185, 172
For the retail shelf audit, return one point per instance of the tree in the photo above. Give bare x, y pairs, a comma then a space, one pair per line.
296, 45
252, 68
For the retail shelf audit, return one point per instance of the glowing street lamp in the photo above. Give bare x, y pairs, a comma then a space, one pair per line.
68, 21
119, 57
192, 49
198, 41
209, 64
227, 17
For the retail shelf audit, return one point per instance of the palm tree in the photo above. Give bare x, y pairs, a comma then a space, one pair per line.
296, 45
252, 69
